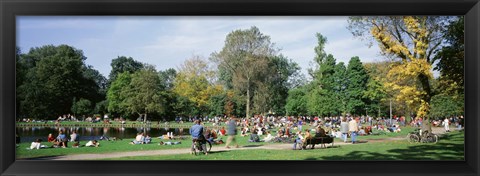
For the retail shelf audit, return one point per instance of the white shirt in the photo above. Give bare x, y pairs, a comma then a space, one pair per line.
35, 145
90, 143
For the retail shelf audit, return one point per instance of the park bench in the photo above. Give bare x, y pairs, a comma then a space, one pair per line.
318, 140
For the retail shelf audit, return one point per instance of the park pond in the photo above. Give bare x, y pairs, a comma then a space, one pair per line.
29, 134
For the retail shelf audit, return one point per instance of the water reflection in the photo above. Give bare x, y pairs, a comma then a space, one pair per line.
29, 134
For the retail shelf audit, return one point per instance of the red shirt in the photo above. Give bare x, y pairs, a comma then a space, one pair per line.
223, 131
51, 139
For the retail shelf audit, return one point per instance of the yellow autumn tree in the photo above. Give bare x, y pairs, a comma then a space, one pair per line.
410, 42
195, 81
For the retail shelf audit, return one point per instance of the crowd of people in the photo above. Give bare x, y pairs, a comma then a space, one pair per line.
62, 141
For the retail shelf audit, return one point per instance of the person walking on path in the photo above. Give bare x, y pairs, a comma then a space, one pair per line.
344, 129
353, 129
231, 132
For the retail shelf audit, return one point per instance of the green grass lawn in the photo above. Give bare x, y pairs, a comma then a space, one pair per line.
382, 150
450, 147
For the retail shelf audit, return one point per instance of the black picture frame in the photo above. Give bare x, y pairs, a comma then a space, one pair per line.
11, 8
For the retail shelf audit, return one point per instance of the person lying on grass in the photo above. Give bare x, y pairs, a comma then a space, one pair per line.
37, 145
93, 143
169, 143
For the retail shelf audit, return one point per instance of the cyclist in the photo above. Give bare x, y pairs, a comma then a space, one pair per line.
196, 131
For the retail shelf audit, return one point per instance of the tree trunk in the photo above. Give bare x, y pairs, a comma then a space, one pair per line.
145, 118
426, 87
248, 102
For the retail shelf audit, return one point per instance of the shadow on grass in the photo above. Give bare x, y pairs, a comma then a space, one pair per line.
42, 158
215, 152
449, 147
250, 146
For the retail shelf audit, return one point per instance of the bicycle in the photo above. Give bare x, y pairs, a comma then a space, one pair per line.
197, 146
425, 137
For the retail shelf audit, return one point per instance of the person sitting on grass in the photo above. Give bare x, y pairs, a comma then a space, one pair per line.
62, 140
268, 138
139, 139
254, 137
93, 143
244, 132
75, 139
147, 139
37, 144
208, 136
50, 138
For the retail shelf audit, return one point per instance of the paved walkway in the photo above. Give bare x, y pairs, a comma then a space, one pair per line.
219, 148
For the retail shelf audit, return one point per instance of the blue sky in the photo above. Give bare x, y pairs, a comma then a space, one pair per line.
166, 41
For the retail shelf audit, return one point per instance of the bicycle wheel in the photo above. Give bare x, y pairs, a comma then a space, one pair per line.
413, 138
432, 138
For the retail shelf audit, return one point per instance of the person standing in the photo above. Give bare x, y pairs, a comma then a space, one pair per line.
446, 124
300, 123
353, 129
231, 132
344, 129
196, 131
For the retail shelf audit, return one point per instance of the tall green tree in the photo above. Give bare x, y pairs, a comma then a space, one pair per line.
243, 60
445, 106
451, 59
296, 102
145, 95
321, 99
54, 75
357, 85
123, 64
340, 87
116, 95
82, 107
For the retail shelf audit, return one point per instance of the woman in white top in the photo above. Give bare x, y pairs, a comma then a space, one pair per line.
446, 125
36, 144
93, 143
268, 138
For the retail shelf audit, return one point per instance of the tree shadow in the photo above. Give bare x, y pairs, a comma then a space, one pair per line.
447, 148
250, 146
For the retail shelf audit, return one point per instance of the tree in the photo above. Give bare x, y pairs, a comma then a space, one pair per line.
450, 59
296, 102
321, 99
357, 85
340, 87
53, 76
82, 107
242, 61
123, 64
374, 94
116, 95
193, 81
144, 94
445, 106
412, 42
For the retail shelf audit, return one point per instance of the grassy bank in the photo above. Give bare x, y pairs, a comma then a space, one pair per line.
450, 147
124, 146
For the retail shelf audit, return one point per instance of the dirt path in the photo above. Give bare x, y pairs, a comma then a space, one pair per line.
438, 131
